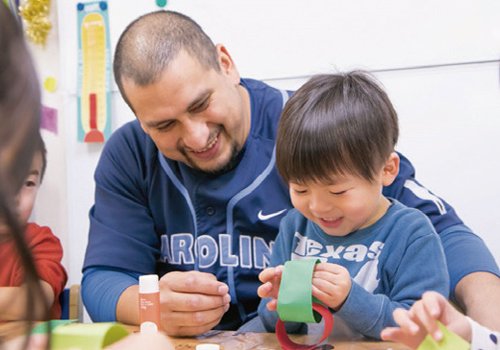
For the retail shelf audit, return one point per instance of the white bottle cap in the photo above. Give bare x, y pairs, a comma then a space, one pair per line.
148, 327
207, 347
148, 284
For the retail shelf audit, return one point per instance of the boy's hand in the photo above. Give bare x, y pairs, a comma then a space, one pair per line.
331, 284
271, 279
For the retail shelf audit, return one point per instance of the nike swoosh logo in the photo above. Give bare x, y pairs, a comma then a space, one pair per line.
264, 217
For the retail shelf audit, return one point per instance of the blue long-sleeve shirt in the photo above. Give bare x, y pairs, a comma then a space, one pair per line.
391, 264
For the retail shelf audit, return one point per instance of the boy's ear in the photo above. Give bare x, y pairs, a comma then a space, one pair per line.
391, 169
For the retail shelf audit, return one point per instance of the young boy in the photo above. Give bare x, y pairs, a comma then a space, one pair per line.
44, 246
335, 148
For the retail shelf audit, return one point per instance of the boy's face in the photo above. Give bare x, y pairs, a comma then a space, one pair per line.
27, 194
345, 205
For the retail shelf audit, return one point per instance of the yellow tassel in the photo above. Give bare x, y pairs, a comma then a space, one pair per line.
36, 16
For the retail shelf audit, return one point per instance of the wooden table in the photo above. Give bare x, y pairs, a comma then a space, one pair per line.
228, 340
267, 341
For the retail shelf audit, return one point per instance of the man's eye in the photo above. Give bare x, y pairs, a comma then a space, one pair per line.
165, 127
201, 107
30, 183
300, 191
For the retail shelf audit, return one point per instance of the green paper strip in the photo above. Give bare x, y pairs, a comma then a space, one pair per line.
295, 294
43, 328
87, 336
450, 341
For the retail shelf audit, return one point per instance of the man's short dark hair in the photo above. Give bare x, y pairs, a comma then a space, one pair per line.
336, 124
152, 41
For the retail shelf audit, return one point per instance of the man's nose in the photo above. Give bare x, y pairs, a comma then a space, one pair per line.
195, 134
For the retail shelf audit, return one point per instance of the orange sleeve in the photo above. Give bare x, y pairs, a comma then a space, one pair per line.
47, 254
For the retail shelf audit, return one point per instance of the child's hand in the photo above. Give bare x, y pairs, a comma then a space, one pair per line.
271, 279
420, 320
331, 284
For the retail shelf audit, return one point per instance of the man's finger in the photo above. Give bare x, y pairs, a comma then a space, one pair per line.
191, 302
200, 319
193, 282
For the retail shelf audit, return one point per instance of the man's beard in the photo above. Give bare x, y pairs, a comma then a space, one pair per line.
233, 161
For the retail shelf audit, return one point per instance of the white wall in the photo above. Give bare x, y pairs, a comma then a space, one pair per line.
449, 114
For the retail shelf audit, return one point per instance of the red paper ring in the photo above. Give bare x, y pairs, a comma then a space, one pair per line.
287, 344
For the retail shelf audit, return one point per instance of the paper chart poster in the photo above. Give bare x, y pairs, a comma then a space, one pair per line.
94, 72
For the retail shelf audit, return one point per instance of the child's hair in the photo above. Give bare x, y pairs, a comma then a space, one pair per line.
19, 130
336, 124
40, 147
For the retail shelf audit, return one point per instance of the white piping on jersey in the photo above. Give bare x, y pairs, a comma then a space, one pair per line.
229, 214
284, 97
183, 190
423, 193
229, 224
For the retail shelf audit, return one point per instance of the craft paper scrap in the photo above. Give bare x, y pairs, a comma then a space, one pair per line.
450, 341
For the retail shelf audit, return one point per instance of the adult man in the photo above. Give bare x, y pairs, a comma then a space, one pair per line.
189, 189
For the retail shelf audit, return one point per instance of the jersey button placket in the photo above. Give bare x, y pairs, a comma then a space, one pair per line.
210, 211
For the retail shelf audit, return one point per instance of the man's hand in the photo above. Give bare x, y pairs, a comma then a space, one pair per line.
192, 302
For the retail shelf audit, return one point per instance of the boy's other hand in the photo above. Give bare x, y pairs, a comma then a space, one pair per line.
271, 279
331, 284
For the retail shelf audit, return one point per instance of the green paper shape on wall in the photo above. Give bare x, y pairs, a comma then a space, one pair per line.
161, 3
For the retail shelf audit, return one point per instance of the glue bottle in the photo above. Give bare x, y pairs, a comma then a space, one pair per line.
149, 303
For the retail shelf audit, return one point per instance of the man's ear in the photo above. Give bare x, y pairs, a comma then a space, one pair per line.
143, 127
391, 169
226, 63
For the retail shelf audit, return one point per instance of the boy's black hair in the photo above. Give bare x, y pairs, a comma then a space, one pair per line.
336, 124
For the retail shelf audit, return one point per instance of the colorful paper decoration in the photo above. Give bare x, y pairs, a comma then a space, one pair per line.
94, 71
48, 120
295, 303
450, 341
43, 327
50, 84
295, 294
161, 3
86, 336
36, 15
